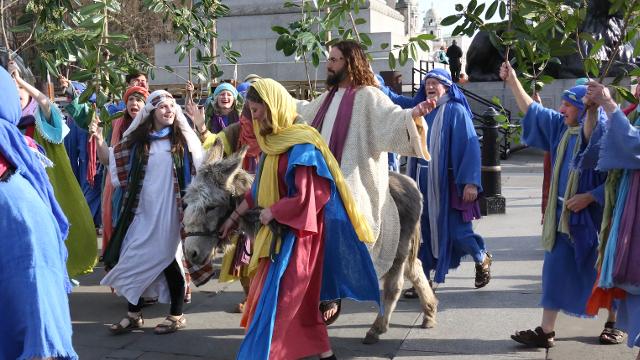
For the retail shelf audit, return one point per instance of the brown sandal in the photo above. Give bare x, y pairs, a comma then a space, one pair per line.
134, 323
535, 338
610, 335
328, 305
173, 325
483, 272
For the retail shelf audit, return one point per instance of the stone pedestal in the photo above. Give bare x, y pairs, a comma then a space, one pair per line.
248, 29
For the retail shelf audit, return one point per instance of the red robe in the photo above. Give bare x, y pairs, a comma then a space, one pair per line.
299, 330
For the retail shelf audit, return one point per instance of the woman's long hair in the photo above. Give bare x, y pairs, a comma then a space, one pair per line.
141, 135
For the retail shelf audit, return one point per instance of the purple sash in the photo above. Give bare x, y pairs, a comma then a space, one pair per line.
343, 120
625, 268
470, 210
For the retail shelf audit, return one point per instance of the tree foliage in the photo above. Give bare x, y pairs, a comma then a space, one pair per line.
325, 22
540, 32
90, 39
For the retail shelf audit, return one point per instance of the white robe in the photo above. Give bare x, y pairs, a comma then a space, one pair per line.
153, 239
378, 126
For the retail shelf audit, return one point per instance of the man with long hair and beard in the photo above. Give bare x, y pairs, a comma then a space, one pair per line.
361, 125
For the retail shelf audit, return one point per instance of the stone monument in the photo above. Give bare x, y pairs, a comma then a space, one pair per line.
248, 28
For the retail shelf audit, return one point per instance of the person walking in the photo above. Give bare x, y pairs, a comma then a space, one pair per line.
154, 162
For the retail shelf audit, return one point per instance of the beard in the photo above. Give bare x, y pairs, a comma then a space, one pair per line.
336, 78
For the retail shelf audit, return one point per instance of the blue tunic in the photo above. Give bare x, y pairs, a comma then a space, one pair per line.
568, 272
460, 165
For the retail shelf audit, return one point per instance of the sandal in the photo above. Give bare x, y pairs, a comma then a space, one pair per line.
239, 308
134, 323
483, 272
610, 335
535, 338
170, 325
328, 305
410, 293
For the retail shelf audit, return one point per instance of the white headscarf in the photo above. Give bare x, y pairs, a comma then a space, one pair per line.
154, 100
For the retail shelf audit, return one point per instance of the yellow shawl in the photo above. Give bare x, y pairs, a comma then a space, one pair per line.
286, 134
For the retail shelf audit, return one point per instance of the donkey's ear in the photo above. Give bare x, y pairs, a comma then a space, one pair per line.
215, 152
242, 152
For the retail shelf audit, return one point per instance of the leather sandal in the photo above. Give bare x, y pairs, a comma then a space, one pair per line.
535, 338
610, 335
171, 325
328, 305
134, 323
483, 272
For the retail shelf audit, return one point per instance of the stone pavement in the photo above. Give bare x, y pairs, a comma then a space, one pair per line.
472, 324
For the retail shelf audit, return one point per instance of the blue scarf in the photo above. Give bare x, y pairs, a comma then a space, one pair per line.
160, 134
14, 148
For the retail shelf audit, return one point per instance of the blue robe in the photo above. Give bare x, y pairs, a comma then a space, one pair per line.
347, 269
568, 272
616, 145
460, 165
33, 275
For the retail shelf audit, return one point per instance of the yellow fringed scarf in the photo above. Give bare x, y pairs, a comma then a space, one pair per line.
549, 225
285, 135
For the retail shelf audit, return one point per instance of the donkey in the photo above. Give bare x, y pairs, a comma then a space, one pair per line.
219, 186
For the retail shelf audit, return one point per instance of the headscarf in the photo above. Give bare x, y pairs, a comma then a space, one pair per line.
454, 92
14, 149
156, 99
243, 87
225, 87
135, 90
285, 135
251, 78
574, 96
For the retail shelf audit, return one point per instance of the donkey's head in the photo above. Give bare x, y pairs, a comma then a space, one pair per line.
212, 196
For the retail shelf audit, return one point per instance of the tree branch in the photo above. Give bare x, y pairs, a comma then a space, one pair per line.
4, 30
620, 42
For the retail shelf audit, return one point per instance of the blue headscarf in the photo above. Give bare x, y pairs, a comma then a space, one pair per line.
243, 88
574, 96
13, 147
454, 92
80, 88
225, 87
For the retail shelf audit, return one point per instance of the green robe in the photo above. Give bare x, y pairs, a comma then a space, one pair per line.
82, 244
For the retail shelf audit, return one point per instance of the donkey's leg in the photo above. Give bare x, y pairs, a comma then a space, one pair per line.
427, 298
392, 287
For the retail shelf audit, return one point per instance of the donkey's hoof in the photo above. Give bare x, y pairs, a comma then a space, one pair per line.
371, 339
428, 323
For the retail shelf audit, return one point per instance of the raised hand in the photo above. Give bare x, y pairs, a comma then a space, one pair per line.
507, 74
599, 94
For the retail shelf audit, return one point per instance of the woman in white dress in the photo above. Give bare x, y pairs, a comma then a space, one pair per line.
154, 163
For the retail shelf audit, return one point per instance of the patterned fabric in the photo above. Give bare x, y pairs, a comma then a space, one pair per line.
126, 159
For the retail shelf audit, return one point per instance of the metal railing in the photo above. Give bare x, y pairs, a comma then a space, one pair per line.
506, 141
